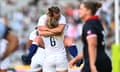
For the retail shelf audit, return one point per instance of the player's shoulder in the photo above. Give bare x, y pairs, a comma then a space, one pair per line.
43, 16
93, 22
90, 24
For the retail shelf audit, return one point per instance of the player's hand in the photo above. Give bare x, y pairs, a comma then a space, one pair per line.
71, 64
93, 68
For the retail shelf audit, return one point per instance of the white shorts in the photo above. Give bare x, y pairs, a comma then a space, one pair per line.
37, 60
55, 63
4, 64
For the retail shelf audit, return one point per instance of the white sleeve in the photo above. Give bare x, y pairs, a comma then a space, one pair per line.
42, 20
65, 30
32, 35
62, 20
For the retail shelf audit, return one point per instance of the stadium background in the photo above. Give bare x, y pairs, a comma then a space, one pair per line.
22, 17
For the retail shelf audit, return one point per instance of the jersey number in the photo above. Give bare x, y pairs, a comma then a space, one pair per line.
52, 41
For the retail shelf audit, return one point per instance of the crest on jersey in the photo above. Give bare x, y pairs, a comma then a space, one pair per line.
89, 32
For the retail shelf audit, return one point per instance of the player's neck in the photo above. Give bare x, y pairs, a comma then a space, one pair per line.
86, 18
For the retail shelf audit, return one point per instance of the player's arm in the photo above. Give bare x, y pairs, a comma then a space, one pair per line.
92, 48
50, 32
91, 37
12, 44
46, 33
57, 30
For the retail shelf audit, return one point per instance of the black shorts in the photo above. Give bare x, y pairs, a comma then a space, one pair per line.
102, 66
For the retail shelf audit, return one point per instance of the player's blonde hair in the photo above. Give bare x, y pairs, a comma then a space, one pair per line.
52, 22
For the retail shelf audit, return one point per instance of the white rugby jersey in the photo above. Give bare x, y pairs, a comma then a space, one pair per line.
53, 44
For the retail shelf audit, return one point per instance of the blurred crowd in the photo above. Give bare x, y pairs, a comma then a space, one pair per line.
22, 17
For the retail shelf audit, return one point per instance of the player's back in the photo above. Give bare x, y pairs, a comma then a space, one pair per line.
54, 44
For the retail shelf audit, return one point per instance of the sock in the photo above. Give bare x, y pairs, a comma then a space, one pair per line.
26, 59
73, 50
32, 50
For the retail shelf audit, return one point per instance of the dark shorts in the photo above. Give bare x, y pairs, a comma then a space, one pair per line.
102, 66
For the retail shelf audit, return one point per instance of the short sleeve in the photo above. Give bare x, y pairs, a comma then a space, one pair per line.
62, 20
65, 30
33, 34
90, 31
42, 20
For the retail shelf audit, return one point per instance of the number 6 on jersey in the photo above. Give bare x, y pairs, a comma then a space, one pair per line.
52, 41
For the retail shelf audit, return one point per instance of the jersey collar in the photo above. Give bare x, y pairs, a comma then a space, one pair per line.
93, 18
